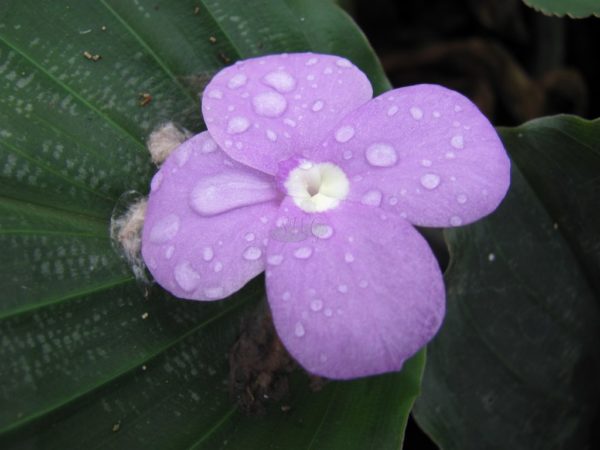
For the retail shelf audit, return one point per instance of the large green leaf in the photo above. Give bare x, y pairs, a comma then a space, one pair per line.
571, 8
89, 357
516, 364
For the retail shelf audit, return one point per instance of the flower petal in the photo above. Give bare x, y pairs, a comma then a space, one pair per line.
423, 151
207, 221
352, 293
264, 110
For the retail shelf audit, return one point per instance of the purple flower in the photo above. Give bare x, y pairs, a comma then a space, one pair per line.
302, 174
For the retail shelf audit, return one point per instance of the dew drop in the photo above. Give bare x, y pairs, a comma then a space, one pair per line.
237, 125
491, 257
430, 181
290, 122
347, 154
165, 229
271, 135
156, 181
317, 106
343, 288
392, 110
216, 94
461, 198
328, 312
303, 252
372, 198
218, 267
316, 305
186, 277
343, 63
349, 257
436, 114
169, 252
275, 260
322, 231
182, 156
299, 329
237, 81
249, 237
311, 62
286, 296
457, 108
381, 155
207, 253
252, 253
455, 221
393, 201
344, 134
209, 146
214, 292
450, 155
280, 80
457, 141
426, 163
416, 113
269, 104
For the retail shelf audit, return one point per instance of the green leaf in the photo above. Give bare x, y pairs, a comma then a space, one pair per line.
516, 363
573, 8
90, 358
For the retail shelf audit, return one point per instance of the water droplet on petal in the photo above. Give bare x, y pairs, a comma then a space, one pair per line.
299, 329
182, 156
426, 163
169, 252
290, 122
317, 106
393, 201
372, 198
328, 312
416, 113
347, 154
165, 229
275, 260
344, 134
214, 292
392, 110
381, 155
252, 253
271, 135
457, 141
286, 296
457, 108
348, 257
455, 221
186, 277
156, 181
430, 181
207, 253
311, 62
209, 146
462, 199
249, 237
316, 305
322, 231
343, 63
450, 155
343, 288
303, 252
236, 81
237, 125
216, 94
218, 267
436, 114
280, 80
269, 104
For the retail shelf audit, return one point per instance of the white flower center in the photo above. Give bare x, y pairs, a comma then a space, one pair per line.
317, 187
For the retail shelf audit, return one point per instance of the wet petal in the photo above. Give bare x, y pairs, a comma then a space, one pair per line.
352, 293
206, 226
425, 152
264, 110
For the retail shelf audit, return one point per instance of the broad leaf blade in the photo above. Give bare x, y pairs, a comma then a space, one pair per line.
571, 8
92, 359
516, 363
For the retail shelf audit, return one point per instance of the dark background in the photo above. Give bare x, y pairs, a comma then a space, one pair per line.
516, 64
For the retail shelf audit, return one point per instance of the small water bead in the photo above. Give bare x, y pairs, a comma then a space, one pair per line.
182, 156
317, 106
275, 260
457, 141
271, 135
252, 253
328, 71
281, 81
214, 292
316, 305
372, 198
169, 252
426, 163
430, 181
286, 296
450, 155
186, 277
303, 252
393, 201
349, 257
165, 229
343, 63
207, 254
436, 114
299, 329
269, 104
416, 113
310, 77
290, 122
455, 221
311, 62
491, 257
322, 231
457, 108
208, 146
392, 110
237, 125
347, 154
216, 94
237, 81
249, 237
156, 181
344, 134
343, 288
218, 267
381, 155
328, 312
461, 198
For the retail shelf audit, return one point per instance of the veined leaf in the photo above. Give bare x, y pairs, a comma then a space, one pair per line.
572, 8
